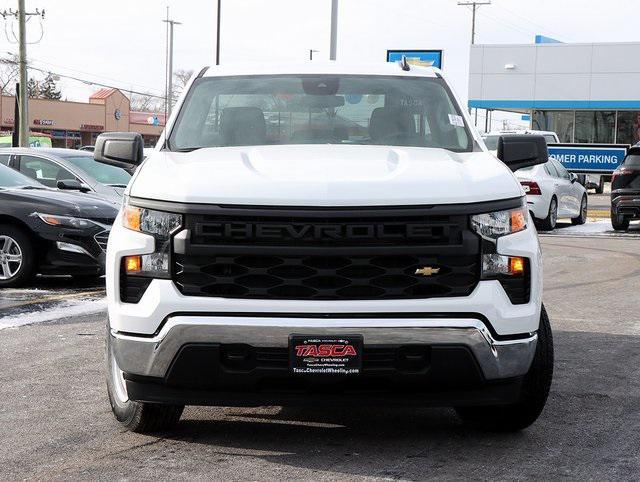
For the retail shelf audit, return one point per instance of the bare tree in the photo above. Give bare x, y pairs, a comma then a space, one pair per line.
8, 75
180, 80
146, 103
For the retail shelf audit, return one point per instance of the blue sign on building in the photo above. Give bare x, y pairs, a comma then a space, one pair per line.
600, 158
425, 58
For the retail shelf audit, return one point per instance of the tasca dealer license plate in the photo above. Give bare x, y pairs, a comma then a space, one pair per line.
325, 355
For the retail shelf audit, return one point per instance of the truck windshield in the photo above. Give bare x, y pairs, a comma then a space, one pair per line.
327, 109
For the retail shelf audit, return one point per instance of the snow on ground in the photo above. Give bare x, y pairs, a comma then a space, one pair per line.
59, 311
601, 227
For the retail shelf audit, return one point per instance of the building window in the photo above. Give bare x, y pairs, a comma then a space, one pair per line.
560, 122
628, 127
595, 127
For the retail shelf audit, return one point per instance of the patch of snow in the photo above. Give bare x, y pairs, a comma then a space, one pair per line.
594, 229
60, 311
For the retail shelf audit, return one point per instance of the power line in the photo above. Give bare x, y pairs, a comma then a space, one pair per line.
84, 81
502, 23
528, 20
40, 61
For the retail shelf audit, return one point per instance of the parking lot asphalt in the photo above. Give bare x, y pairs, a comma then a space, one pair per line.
55, 420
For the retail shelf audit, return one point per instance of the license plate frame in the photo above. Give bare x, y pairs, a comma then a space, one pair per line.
319, 355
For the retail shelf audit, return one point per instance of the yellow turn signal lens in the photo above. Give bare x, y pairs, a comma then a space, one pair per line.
132, 264
131, 217
516, 265
518, 220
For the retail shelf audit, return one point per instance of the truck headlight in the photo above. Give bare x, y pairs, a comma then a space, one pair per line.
500, 223
161, 225
512, 272
148, 221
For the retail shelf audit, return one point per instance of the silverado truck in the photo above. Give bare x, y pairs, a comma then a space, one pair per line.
324, 234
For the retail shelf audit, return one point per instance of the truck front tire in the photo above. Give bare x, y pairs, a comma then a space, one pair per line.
533, 396
138, 417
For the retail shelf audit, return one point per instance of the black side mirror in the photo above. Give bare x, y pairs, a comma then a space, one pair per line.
120, 149
519, 151
72, 185
573, 177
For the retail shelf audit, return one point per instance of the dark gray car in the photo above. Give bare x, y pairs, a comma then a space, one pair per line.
68, 169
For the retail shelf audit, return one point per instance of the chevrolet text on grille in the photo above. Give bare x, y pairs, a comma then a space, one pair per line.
314, 231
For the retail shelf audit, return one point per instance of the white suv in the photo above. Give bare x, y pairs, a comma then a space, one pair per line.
324, 233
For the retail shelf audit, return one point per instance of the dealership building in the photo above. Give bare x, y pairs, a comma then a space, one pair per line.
586, 93
75, 124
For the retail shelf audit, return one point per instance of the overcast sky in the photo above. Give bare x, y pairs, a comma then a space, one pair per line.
122, 42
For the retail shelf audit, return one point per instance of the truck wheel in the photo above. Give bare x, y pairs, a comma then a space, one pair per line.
17, 257
533, 396
582, 218
138, 417
549, 223
619, 223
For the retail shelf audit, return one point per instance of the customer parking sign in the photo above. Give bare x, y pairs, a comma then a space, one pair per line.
602, 158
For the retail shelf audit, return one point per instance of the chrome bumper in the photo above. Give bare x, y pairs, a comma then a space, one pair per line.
152, 356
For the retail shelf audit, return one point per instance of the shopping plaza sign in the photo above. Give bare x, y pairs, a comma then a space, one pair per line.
602, 158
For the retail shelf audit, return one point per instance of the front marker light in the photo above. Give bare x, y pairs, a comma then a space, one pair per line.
495, 265
132, 264
500, 223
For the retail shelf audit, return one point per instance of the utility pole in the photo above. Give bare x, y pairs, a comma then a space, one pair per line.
23, 105
474, 5
169, 84
218, 32
334, 30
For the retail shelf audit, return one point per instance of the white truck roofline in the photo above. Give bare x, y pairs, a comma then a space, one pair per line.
318, 67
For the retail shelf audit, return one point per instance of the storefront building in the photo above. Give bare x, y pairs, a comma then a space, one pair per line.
75, 124
586, 93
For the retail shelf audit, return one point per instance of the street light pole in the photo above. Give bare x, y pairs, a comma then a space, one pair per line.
334, 30
23, 106
218, 32
170, 64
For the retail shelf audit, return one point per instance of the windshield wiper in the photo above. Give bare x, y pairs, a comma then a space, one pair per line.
117, 185
33, 187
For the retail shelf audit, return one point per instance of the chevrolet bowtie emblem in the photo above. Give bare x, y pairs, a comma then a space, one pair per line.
427, 271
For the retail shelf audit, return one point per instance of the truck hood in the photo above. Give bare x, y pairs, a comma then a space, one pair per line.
324, 175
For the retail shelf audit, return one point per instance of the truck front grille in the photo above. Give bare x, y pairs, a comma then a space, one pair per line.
326, 254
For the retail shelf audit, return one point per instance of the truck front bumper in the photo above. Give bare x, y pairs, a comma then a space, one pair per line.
212, 360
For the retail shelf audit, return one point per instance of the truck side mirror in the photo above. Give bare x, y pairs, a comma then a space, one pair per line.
519, 151
120, 149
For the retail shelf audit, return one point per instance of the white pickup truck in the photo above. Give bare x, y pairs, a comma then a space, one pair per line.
330, 234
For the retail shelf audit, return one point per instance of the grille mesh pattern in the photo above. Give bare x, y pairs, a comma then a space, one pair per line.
324, 277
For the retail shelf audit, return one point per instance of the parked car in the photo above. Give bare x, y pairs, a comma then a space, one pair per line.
625, 191
385, 259
552, 193
68, 169
491, 138
48, 231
